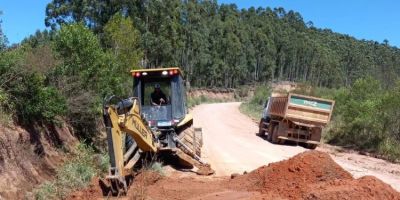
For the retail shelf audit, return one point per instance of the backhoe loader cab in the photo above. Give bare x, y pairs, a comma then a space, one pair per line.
169, 112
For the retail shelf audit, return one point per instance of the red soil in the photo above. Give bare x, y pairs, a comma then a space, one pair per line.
309, 175
312, 175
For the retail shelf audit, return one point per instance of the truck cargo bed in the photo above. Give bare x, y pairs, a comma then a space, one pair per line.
302, 109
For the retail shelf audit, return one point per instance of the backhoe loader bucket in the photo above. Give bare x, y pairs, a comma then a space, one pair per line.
190, 142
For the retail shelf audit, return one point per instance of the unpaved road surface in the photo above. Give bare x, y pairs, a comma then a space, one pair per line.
231, 146
230, 143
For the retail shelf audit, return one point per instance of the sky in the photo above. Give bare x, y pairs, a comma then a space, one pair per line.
364, 19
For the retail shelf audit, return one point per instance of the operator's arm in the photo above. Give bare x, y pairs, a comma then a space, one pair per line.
151, 99
163, 98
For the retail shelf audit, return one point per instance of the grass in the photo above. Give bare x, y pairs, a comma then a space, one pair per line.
5, 107
5, 118
254, 106
194, 101
252, 110
75, 173
157, 167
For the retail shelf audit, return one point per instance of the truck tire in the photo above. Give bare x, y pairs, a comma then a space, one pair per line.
311, 146
270, 133
261, 131
274, 136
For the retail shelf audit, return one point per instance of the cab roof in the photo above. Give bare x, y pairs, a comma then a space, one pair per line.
158, 70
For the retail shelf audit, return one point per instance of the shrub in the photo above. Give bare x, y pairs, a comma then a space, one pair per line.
46, 191
365, 118
5, 108
157, 167
75, 173
36, 102
255, 105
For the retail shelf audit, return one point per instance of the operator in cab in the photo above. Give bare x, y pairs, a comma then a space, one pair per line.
158, 97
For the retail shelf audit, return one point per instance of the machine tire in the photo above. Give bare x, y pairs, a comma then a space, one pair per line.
311, 146
193, 139
270, 133
261, 131
274, 136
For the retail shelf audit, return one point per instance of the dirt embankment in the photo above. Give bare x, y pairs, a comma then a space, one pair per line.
30, 156
309, 175
213, 94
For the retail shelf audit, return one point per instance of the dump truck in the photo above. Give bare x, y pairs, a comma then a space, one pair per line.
294, 117
154, 121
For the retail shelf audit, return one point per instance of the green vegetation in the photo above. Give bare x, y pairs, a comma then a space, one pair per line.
24, 94
157, 167
76, 173
365, 116
224, 46
255, 105
194, 101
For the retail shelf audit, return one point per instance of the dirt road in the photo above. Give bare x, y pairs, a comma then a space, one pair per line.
231, 146
230, 143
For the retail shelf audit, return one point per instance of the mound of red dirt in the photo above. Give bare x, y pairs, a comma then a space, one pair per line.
93, 191
367, 187
312, 175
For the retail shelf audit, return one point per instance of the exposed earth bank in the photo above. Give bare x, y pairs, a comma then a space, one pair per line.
30, 156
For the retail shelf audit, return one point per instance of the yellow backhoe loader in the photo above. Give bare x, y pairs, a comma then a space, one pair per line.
154, 121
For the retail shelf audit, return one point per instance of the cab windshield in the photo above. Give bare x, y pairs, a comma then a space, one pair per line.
153, 91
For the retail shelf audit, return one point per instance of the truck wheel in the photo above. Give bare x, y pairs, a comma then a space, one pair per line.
261, 131
274, 136
270, 133
311, 146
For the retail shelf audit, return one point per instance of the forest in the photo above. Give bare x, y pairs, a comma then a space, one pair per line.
224, 46
90, 47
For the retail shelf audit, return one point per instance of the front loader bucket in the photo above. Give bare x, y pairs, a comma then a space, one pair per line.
190, 142
199, 167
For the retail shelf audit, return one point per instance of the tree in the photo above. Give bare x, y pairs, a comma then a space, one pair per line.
123, 40
3, 38
220, 45
94, 14
80, 50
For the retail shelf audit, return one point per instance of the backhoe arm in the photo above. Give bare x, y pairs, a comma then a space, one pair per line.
125, 118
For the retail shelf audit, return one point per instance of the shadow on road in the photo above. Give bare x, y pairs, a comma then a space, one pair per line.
286, 143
